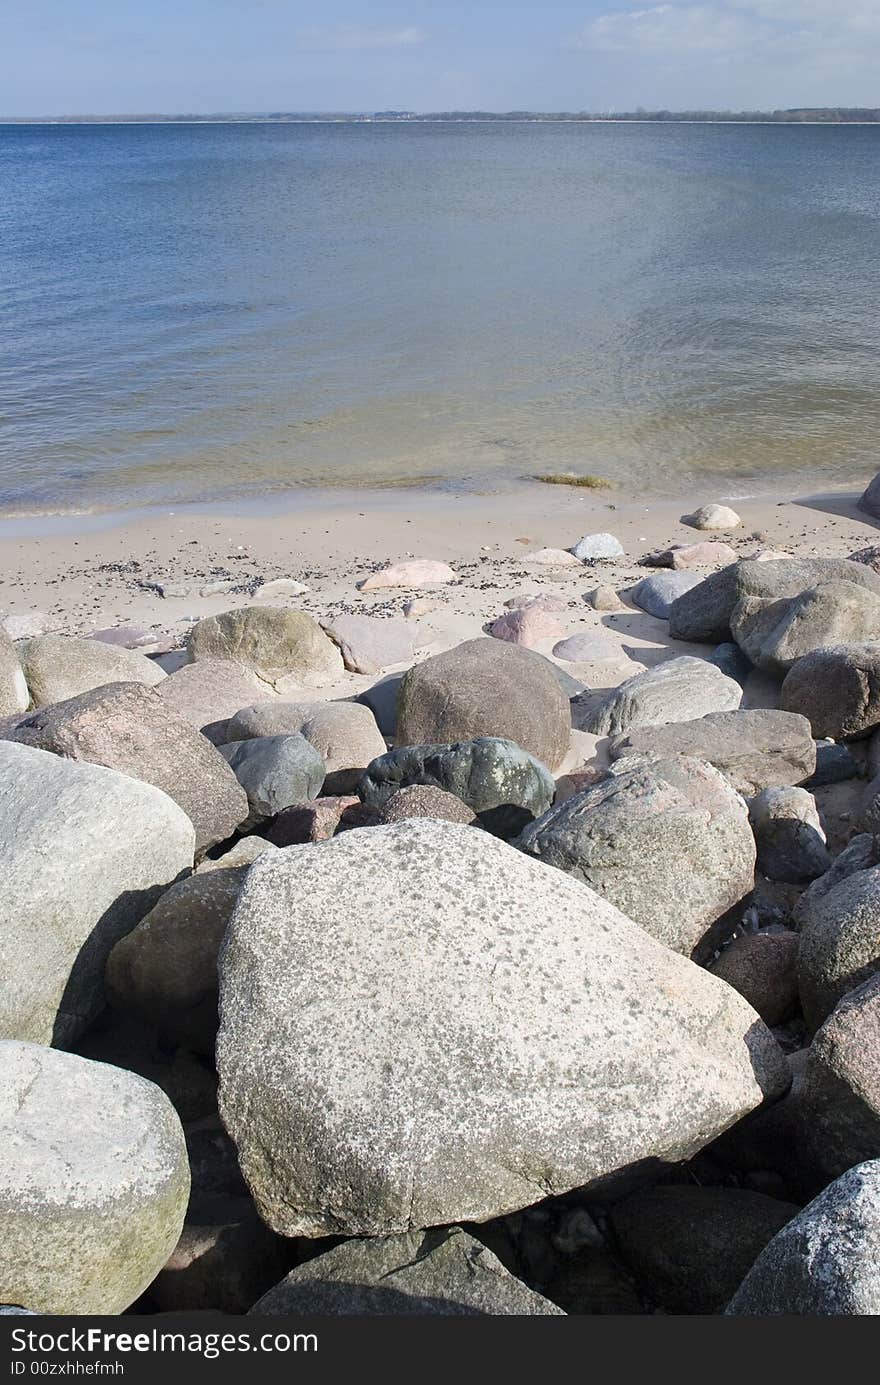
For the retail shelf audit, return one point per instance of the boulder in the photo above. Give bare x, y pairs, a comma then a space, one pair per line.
127, 727
869, 501
272, 642
731, 660
551, 601
85, 852
433, 1274
425, 801
834, 765
763, 968
126, 636
504, 785
826, 1261
14, 692
370, 644
836, 689
94, 1182
755, 749
685, 556
527, 625
704, 612
839, 920
243, 853
789, 835
604, 599
713, 517
320, 819
655, 594
775, 633
598, 548
485, 687
506, 1035
689, 1247
381, 699
412, 572
57, 667
344, 734
165, 969
208, 693
677, 690
668, 843
842, 1087
275, 772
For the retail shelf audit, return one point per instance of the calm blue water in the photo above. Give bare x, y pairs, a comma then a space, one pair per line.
197, 311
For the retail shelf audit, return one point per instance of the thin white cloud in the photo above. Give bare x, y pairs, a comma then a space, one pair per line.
341, 38
708, 28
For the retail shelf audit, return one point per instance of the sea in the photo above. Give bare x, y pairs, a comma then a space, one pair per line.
201, 312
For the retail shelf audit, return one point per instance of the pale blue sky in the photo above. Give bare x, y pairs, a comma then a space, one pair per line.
104, 56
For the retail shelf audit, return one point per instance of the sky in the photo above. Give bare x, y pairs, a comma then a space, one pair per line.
62, 57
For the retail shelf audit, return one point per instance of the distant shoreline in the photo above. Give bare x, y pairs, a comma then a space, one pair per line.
805, 116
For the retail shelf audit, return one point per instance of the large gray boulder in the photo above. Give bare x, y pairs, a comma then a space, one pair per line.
839, 919
271, 641
836, 689
165, 969
826, 1261
57, 667
14, 693
704, 613
677, 690
127, 727
420, 1025
668, 842
275, 772
85, 852
208, 693
842, 1085
505, 786
433, 1273
344, 734
754, 750
94, 1182
775, 632
485, 687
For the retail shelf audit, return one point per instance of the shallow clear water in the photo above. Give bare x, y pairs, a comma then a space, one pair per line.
197, 311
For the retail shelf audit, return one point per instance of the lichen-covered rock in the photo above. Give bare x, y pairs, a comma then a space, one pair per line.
676, 690
275, 772
85, 852
58, 667
127, 727
505, 786
94, 1182
485, 687
273, 642
754, 750
506, 1034
836, 689
826, 1261
344, 734
667, 842
434, 1273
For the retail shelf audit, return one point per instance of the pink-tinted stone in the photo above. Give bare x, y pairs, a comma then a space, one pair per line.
527, 626
413, 572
